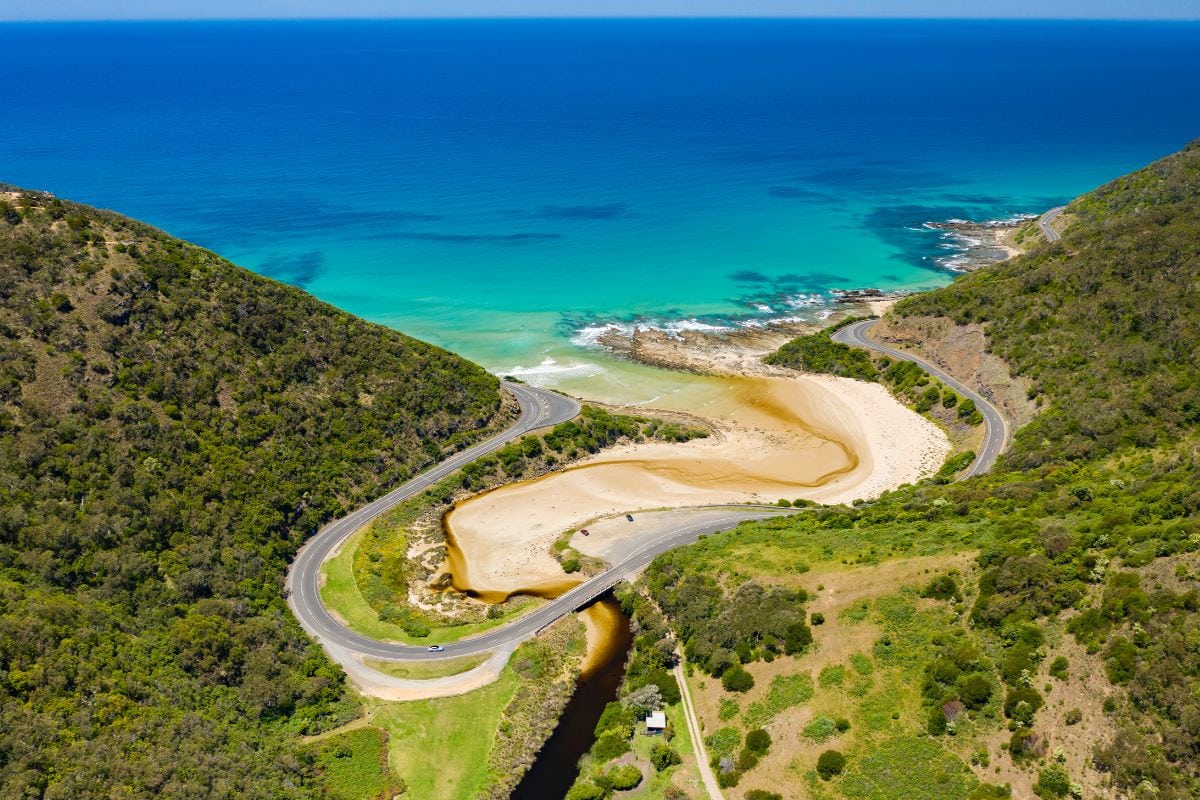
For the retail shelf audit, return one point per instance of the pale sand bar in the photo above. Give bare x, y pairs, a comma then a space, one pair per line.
817, 437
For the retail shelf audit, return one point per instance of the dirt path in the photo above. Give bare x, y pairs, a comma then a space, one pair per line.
706, 773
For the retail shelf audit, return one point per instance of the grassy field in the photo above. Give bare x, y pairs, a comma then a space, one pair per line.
424, 670
858, 690
478, 744
339, 592
441, 746
353, 765
786, 549
908, 768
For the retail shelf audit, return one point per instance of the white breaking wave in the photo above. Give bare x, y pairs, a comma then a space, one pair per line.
551, 367
676, 327
806, 301
768, 315
590, 335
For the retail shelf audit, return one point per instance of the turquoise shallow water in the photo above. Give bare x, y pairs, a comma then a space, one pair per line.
504, 187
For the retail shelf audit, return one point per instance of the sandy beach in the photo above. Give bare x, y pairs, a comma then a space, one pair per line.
816, 437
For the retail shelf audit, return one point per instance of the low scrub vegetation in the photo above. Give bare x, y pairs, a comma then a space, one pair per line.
353, 765
722, 630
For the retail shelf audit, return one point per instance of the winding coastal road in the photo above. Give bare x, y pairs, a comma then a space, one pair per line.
1046, 219
995, 437
539, 408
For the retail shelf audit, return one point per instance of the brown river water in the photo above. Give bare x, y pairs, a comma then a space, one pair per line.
557, 762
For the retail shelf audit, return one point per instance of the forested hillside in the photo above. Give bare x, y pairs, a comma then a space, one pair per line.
172, 427
1064, 660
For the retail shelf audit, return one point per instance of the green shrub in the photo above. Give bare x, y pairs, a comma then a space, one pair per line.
758, 741
762, 794
616, 717
1023, 743
943, 587
1120, 659
975, 690
586, 790
1059, 668
610, 745
1053, 782
935, 723
830, 763
797, 639
663, 756
1022, 703
737, 679
817, 618
954, 465
746, 760
625, 777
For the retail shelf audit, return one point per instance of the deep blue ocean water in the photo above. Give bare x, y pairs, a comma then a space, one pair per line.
500, 186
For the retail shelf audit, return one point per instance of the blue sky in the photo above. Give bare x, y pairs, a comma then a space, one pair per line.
194, 9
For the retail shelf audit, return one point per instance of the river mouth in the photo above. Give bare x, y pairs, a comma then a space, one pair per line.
460, 578
773, 438
557, 764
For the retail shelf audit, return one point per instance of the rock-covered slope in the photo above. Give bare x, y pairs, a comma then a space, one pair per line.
171, 428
